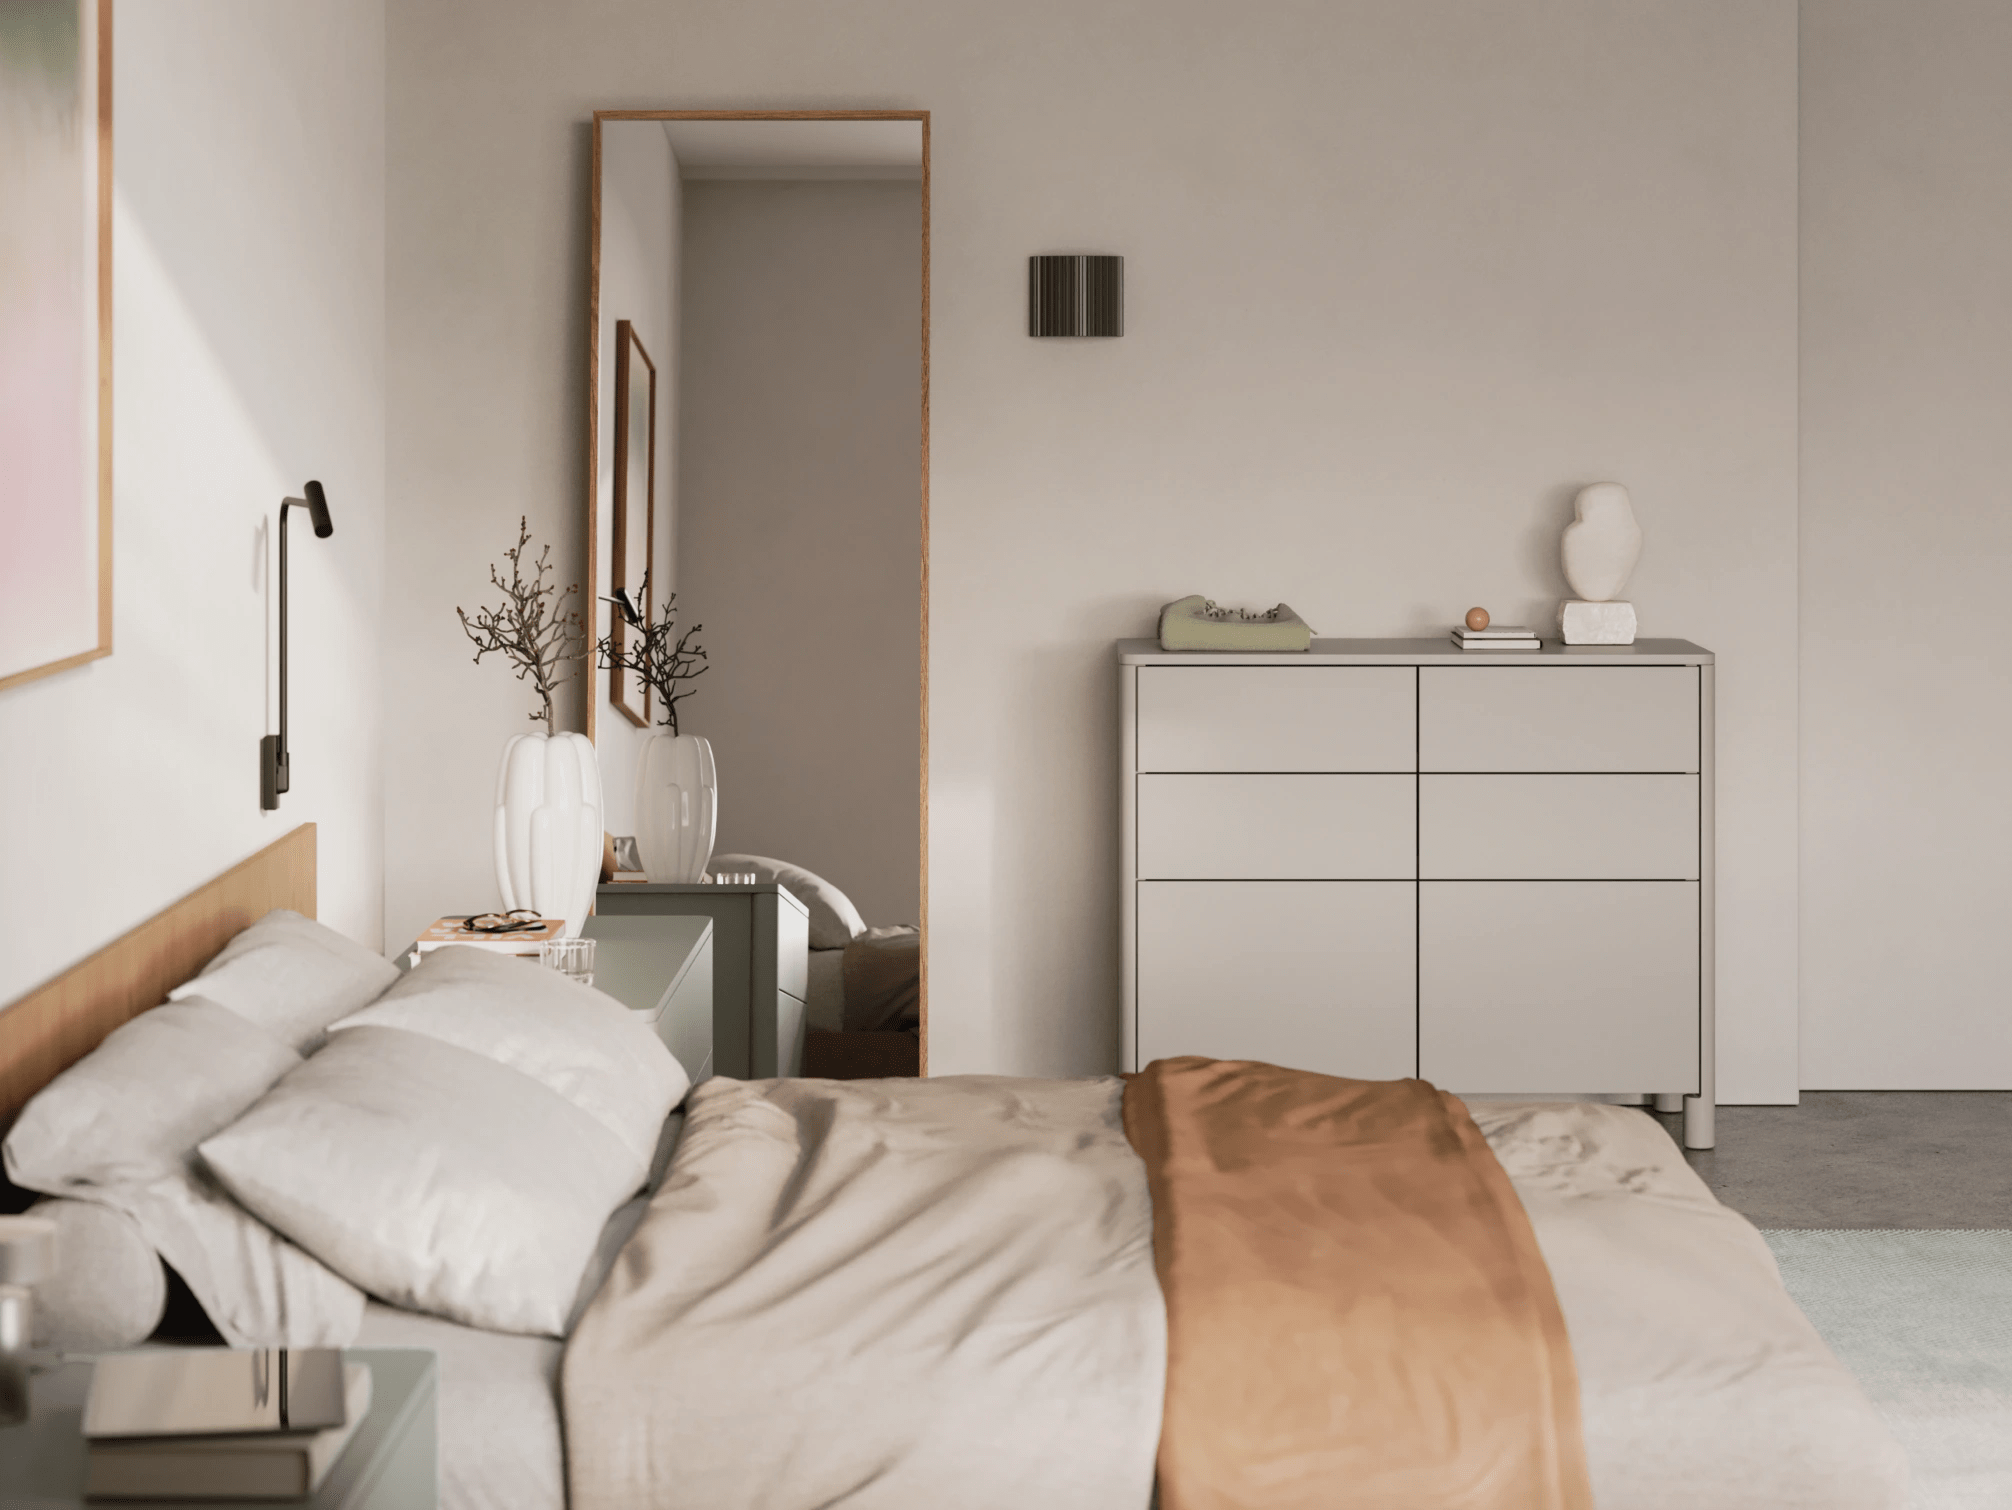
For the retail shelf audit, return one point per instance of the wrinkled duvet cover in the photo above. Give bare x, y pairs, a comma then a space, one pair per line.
912, 1294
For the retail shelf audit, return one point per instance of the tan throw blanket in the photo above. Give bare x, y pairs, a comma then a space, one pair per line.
1358, 1316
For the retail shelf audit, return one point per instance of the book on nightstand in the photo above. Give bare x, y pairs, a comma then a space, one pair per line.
247, 1462
440, 934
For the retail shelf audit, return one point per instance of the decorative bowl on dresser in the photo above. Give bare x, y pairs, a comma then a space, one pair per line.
1380, 859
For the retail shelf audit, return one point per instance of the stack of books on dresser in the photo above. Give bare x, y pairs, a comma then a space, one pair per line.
1496, 637
220, 1423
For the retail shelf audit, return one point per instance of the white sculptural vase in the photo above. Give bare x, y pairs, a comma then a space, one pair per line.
1600, 548
548, 826
677, 806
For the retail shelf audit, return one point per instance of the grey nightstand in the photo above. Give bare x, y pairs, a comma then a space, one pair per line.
761, 966
662, 967
392, 1463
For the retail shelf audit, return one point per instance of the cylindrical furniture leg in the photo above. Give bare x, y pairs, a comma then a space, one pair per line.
1670, 1102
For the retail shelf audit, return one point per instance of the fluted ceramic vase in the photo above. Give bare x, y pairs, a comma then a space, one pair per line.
548, 826
677, 806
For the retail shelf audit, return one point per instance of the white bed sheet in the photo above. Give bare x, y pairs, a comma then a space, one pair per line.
498, 1403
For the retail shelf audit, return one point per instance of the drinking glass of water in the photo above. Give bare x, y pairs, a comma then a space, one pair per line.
572, 958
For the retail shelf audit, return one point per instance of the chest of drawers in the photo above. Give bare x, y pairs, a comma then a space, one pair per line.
1392, 857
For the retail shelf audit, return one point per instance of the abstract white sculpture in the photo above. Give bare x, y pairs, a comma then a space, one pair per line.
1601, 546
677, 806
548, 826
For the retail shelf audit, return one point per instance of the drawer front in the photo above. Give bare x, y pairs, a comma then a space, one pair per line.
1277, 718
1558, 828
1277, 828
1558, 718
1314, 975
1558, 986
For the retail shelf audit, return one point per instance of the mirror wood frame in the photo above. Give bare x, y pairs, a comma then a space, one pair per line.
601, 119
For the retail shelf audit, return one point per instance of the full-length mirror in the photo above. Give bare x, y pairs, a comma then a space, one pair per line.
756, 526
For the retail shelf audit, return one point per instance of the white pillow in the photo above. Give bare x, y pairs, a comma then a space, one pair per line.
433, 1176
120, 1127
109, 1290
292, 977
834, 921
576, 1041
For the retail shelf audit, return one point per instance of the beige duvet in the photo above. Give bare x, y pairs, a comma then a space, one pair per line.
906, 1295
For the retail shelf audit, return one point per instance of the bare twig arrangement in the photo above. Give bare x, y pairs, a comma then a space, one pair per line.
531, 626
649, 652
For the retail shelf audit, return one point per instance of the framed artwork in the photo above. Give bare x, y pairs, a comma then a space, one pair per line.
55, 335
635, 524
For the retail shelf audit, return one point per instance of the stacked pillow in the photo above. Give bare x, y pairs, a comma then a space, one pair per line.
458, 1146
120, 1127
288, 1134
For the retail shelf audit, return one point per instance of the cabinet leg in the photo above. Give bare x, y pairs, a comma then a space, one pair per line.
1670, 1102
1700, 1130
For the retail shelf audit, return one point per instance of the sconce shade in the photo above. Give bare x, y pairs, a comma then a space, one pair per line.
1075, 296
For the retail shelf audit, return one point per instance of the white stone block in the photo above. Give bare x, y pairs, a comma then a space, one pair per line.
1597, 623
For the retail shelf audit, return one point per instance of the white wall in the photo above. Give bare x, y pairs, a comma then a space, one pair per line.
1401, 275
641, 210
799, 522
1906, 542
248, 350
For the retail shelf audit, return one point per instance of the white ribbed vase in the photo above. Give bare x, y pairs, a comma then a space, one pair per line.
677, 806
548, 826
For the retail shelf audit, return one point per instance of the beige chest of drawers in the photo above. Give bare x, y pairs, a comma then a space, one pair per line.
1392, 857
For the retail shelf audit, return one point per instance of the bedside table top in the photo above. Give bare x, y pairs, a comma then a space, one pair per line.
42, 1461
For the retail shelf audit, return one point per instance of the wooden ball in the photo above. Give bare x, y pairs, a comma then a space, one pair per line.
1477, 619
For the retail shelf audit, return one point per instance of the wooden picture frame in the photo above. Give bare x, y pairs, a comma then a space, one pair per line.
56, 474
634, 548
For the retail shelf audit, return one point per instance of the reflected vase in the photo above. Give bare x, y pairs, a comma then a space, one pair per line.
548, 826
677, 806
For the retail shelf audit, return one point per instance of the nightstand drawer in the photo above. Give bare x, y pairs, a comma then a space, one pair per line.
1277, 718
1558, 718
1558, 828
1277, 828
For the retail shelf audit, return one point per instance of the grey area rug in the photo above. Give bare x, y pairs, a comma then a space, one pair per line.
1925, 1321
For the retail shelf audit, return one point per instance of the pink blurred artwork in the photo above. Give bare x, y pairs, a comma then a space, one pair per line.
55, 336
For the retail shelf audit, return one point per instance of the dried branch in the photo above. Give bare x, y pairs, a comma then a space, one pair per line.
649, 652
531, 626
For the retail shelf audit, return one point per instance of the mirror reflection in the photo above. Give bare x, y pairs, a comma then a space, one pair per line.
759, 318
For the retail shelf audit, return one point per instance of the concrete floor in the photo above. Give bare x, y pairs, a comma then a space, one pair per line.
1866, 1159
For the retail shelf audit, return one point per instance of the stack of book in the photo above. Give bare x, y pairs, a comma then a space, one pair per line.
445, 931
217, 1423
1496, 637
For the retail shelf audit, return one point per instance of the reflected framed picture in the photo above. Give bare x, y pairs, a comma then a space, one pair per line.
635, 524
55, 335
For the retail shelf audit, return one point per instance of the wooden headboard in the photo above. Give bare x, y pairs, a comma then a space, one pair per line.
56, 1024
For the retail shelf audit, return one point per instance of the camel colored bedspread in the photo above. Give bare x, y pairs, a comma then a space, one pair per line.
1358, 1315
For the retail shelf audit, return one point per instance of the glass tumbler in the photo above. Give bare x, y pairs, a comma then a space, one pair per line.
572, 958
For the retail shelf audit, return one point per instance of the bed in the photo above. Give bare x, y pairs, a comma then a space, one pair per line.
784, 1241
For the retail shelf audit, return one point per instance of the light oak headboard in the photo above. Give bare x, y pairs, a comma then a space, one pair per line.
56, 1024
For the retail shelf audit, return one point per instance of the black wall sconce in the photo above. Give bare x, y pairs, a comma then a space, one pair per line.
273, 775
1075, 296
